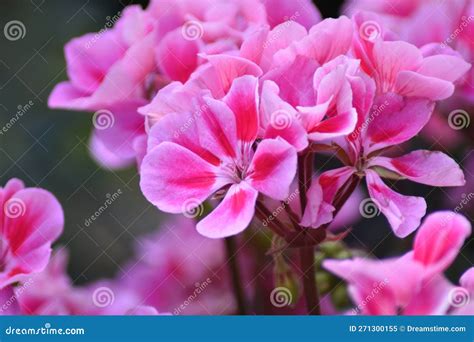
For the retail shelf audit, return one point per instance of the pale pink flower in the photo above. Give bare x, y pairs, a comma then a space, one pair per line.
446, 23
176, 270
31, 220
214, 148
119, 69
412, 284
51, 291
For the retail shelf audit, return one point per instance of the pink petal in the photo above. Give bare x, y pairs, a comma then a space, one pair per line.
65, 95
426, 167
232, 215
117, 129
89, 58
263, 45
326, 40
217, 128
173, 98
331, 181
279, 119
36, 219
317, 211
273, 168
173, 191
403, 212
295, 87
181, 129
390, 58
412, 84
242, 100
445, 67
382, 131
336, 126
432, 299
106, 158
303, 12
440, 239
467, 279
218, 75
177, 57
394, 283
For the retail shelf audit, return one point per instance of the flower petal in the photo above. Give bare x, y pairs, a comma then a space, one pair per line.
273, 168
440, 239
170, 190
403, 212
383, 131
425, 167
282, 11
232, 215
177, 57
242, 99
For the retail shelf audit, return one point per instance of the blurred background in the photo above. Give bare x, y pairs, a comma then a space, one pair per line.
49, 149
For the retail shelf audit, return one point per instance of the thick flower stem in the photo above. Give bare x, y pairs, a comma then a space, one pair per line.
309, 280
308, 270
231, 249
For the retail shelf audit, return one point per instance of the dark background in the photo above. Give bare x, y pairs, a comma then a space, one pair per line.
49, 148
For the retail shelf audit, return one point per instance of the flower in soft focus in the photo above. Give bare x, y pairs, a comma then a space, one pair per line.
412, 284
51, 291
31, 220
446, 23
215, 149
176, 270
117, 70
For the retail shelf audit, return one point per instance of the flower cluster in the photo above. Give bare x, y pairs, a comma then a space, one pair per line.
230, 110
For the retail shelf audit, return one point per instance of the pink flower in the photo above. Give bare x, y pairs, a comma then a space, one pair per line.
31, 219
412, 284
119, 69
51, 291
362, 152
176, 270
447, 24
214, 147
402, 68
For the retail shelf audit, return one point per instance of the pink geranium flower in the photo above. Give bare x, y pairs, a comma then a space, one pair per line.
448, 24
363, 156
31, 220
119, 69
215, 148
412, 284
177, 270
